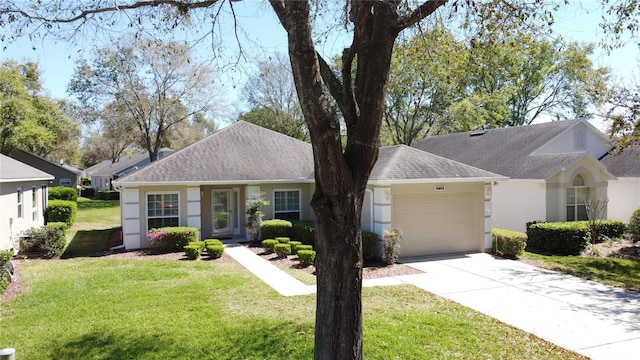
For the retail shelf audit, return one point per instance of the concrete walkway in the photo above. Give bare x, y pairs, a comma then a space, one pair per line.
595, 320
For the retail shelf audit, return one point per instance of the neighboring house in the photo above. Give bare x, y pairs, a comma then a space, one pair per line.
553, 169
23, 199
64, 175
441, 206
103, 173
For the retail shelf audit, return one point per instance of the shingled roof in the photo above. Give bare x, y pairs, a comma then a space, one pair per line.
12, 170
401, 162
625, 163
238, 153
505, 151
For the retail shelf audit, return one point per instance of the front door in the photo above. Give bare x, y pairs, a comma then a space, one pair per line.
222, 217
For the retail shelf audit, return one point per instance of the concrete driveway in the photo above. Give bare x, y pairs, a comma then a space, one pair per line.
595, 320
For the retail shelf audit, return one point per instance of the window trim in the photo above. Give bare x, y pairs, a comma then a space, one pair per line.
286, 190
576, 203
20, 202
146, 205
34, 203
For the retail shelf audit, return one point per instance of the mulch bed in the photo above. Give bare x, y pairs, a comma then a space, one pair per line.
370, 270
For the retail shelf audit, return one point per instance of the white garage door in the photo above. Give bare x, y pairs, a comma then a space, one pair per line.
438, 224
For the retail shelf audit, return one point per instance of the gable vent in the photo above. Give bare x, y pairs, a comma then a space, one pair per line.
478, 133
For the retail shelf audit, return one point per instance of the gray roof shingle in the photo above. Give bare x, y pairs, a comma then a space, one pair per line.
625, 163
237, 153
505, 151
401, 162
14, 170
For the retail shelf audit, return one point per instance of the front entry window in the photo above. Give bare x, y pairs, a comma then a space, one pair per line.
577, 197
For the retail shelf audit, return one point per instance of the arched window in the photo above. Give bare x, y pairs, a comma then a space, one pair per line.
577, 197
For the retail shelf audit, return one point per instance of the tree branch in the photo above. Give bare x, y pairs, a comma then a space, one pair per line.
421, 12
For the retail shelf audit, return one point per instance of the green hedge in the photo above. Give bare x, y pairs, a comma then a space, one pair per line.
5, 257
61, 211
215, 250
108, 195
193, 250
304, 231
558, 238
47, 241
63, 193
507, 243
294, 246
307, 257
283, 250
610, 228
271, 229
212, 242
634, 225
369, 240
172, 239
269, 245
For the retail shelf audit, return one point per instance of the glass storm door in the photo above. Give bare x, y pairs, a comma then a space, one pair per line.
222, 212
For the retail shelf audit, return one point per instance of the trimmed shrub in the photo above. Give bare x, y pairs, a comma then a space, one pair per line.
283, 240
307, 257
391, 245
47, 241
271, 229
88, 192
369, 240
507, 243
304, 231
303, 247
61, 211
108, 195
294, 246
215, 250
558, 238
212, 242
192, 250
63, 193
634, 225
283, 250
172, 239
269, 245
610, 228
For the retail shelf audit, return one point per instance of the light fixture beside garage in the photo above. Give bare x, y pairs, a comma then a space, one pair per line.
439, 187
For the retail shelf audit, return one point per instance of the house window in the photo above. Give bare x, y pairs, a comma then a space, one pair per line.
65, 182
43, 196
286, 204
577, 197
34, 203
163, 210
19, 193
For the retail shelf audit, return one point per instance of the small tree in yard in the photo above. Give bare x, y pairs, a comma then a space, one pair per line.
596, 209
391, 247
255, 214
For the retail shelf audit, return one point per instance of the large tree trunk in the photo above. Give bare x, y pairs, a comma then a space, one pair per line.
341, 175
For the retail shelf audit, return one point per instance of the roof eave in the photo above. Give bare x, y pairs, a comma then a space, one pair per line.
217, 182
26, 179
438, 180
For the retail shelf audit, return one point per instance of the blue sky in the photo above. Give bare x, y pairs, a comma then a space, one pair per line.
263, 36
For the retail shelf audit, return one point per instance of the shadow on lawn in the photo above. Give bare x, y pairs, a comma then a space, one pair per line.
285, 340
88, 243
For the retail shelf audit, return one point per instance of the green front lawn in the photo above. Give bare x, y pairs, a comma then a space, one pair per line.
102, 308
618, 272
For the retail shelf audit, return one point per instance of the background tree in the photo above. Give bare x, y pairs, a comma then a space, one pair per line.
271, 95
624, 116
30, 120
155, 85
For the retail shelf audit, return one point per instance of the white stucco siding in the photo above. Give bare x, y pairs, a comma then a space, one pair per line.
12, 225
516, 202
624, 198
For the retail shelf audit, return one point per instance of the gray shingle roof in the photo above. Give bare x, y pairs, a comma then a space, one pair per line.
505, 151
401, 162
126, 165
624, 164
14, 170
239, 152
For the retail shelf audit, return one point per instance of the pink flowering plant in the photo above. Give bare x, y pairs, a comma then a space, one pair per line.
171, 239
507, 243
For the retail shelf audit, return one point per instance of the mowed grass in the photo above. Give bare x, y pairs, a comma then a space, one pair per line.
101, 308
624, 273
90, 233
